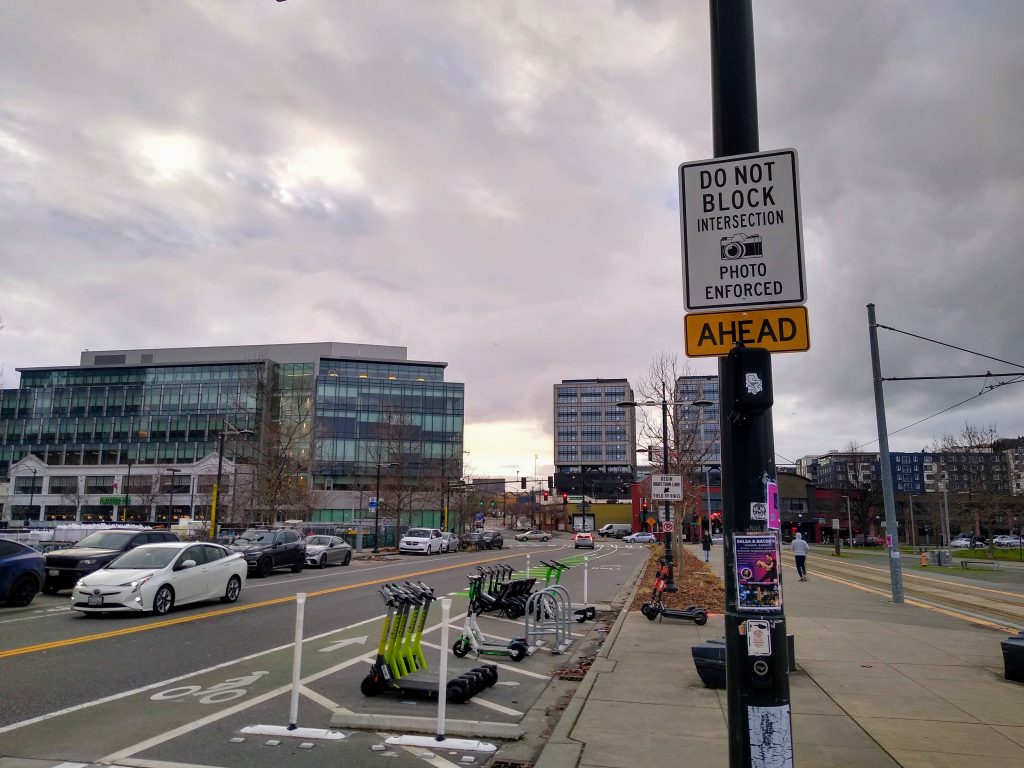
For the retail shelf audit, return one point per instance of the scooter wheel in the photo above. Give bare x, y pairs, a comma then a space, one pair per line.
590, 612
700, 619
518, 651
649, 611
580, 618
460, 648
472, 683
514, 611
370, 686
456, 691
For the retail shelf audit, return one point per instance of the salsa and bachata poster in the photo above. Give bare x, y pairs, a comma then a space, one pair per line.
758, 580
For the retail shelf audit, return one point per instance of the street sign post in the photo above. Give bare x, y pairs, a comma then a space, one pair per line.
742, 239
666, 488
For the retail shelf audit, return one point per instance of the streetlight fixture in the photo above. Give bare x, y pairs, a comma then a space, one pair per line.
173, 472
376, 508
215, 496
670, 583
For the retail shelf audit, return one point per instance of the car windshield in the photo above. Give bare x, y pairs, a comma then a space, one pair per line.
418, 533
322, 541
255, 536
106, 539
145, 557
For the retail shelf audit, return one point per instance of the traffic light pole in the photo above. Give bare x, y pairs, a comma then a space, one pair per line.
757, 676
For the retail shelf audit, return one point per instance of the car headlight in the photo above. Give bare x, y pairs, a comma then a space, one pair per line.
90, 561
136, 584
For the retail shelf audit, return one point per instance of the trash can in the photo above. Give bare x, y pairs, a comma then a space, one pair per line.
1013, 658
946, 558
709, 658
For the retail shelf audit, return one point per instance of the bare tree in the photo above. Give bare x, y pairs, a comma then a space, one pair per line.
75, 498
972, 470
688, 451
862, 486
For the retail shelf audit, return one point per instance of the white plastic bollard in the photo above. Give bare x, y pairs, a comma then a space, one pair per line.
442, 668
527, 565
300, 612
586, 571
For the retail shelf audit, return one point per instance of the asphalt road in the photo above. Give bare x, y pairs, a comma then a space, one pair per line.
178, 688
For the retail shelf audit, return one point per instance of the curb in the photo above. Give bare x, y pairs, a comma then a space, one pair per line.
468, 728
561, 749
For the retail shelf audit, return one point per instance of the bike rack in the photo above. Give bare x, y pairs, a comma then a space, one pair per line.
548, 613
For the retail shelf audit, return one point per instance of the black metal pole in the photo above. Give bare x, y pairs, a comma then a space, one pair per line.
376, 514
670, 583
758, 687
32, 489
127, 484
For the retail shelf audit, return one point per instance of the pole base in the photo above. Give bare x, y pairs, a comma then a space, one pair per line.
299, 733
435, 742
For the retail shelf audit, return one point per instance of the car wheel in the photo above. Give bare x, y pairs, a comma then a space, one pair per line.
23, 591
544, 538
264, 567
322, 562
298, 565
163, 601
348, 558
50, 589
232, 591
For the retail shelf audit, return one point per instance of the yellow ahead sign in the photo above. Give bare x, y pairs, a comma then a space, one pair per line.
713, 334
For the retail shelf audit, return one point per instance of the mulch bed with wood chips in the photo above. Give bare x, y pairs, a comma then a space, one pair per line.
697, 583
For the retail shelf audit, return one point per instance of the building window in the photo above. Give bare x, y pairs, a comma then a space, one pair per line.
29, 484
590, 394
590, 414
566, 415
566, 435
99, 484
566, 453
63, 484
592, 434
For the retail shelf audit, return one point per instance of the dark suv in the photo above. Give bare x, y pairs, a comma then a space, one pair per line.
265, 549
493, 539
64, 567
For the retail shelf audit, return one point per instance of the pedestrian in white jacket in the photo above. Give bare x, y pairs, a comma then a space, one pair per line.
800, 550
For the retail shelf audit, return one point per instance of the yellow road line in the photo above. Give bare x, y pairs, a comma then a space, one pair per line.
67, 642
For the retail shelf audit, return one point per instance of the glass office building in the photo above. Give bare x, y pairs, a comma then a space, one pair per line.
335, 409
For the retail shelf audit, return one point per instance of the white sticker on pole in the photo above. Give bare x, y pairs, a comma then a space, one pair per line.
742, 241
759, 638
759, 511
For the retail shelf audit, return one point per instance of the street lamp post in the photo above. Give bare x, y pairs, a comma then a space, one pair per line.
32, 489
670, 583
173, 471
215, 496
376, 509
849, 520
127, 483
913, 528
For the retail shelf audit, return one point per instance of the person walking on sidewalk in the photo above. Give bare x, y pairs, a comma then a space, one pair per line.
705, 543
800, 550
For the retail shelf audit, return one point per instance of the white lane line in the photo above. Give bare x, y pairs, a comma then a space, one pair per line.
140, 763
320, 699
72, 765
162, 683
496, 707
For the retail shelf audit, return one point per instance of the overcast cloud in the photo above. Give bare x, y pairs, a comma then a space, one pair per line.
495, 185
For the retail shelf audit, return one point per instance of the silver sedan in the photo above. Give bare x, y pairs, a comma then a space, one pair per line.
322, 551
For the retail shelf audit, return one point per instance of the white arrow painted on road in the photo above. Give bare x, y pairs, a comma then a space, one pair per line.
343, 643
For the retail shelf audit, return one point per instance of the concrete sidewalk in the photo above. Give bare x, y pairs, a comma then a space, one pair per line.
877, 685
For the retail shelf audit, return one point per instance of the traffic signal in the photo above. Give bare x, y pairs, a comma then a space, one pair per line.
565, 497
551, 482
643, 505
545, 494
522, 483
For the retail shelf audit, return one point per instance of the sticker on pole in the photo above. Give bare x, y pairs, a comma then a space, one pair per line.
742, 236
759, 511
759, 638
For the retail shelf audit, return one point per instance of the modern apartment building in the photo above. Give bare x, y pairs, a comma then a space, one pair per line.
328, 418
595, 440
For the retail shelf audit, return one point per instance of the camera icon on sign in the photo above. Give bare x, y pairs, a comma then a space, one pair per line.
741, 246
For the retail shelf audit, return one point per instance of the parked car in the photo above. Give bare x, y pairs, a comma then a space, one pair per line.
493, 539
1007, 541
265, 549
860, 540
536, 535
322, 551
583, 539
474, 540
64, 567
618, 530
21, 573
156, 577
449, 541
961, 542
640, 537
425, 541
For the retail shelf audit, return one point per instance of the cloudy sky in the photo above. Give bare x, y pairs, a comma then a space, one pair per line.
494, 184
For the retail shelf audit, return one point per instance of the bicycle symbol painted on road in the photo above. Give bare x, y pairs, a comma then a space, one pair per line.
221, 693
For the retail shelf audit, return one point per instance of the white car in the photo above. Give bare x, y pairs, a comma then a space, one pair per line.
156, 577
1007, 541
640, 537
426, 541
449, 542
